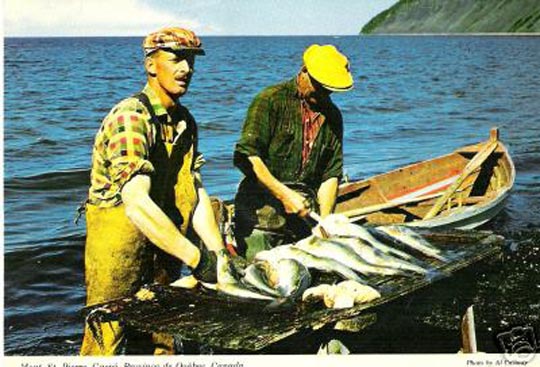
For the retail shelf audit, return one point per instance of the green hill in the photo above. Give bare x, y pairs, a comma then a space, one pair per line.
457, 16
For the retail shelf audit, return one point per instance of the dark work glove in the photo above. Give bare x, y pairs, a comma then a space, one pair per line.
206, 270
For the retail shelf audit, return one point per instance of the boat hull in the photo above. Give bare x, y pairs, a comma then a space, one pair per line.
407, 195
470, 218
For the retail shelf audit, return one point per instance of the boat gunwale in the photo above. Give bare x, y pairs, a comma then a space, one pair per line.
455, 215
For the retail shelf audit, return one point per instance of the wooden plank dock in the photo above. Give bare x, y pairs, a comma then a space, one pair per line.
224, 322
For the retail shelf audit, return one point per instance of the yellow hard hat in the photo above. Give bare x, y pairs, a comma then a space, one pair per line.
329, 67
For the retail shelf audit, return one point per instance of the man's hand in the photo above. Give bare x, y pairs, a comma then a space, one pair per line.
294, 203
206, 270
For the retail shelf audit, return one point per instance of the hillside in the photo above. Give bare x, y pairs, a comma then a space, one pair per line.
457, 16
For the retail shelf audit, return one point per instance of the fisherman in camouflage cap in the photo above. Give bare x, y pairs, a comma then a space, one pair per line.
146, 192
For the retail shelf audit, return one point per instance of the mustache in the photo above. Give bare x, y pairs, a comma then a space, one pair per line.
183, 79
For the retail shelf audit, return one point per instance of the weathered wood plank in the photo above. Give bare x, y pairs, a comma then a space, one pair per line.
231, 323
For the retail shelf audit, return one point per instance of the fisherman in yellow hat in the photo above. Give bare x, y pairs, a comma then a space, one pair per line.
290, 152
146, 191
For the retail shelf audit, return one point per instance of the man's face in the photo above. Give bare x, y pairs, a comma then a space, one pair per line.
173, 71
316, 94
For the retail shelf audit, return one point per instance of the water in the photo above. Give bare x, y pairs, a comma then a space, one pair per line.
415, 98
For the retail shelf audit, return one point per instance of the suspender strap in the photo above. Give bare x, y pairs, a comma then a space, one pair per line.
143, 98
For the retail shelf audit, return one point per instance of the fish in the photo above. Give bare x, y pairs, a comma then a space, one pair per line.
228, 283
293, 278
285, 278
362, 293
363, 233
329, 249
309, 261
348, 293
375, 257
256, 276
410, 238
338, 225
342, 295
316, 292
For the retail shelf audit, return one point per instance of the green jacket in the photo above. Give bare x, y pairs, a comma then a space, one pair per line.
273, 130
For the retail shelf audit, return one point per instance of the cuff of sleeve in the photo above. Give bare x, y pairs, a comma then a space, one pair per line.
327, 176
248, 151
199, 162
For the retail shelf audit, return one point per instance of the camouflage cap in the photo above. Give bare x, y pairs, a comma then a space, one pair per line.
172, 39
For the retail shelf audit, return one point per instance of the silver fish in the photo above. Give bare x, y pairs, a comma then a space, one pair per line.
339, 225
412, 239
309, 260
228, 283
364, 234
256, 276
326, 248
293, 278
377, 258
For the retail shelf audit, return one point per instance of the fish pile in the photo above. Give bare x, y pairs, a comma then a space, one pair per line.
281, 280
352, 252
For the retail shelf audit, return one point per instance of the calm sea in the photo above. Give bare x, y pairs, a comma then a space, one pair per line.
414, 98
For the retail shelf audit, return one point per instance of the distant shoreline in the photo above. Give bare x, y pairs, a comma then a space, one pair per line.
480, 34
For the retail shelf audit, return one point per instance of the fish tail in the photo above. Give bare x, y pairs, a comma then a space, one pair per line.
259, 287
433, 274
437, 256
413, 268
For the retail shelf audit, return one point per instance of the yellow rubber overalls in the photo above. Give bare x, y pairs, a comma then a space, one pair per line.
118, 257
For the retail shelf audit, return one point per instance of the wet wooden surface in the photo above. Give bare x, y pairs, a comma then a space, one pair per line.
227, 322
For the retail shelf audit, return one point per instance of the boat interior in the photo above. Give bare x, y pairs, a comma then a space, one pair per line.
410, 193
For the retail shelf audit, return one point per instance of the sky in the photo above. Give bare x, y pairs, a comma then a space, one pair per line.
31, 18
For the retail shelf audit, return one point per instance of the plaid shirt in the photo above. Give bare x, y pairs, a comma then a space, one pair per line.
122, 147
274, 131
312, 124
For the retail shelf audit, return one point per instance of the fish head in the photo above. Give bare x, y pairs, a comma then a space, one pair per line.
312, 241
268, 272
263, 255
294, 278
335, 220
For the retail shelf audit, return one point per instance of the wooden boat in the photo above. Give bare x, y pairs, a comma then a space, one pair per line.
463, 190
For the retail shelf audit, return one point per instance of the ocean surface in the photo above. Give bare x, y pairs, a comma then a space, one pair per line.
414, 98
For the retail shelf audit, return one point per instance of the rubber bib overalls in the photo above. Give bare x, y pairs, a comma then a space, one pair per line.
118, 257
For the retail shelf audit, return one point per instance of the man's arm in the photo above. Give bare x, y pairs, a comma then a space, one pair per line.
204, 223
154, 224
293, 202
333, 169
327, 195
253, 144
